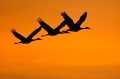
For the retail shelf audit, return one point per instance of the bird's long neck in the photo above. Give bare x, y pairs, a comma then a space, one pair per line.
83, 28
34, 39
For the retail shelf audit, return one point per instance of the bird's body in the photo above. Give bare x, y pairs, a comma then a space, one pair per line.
28, 39
51, 31
74, 27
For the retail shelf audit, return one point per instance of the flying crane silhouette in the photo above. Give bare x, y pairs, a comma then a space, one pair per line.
74, 27
51, 31
28, 39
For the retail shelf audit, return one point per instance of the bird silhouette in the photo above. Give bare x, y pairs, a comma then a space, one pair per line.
28, 39
51, 31
74, 27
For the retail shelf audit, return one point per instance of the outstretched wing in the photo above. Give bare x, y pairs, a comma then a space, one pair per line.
81, 20
34, 32
69, 21
45, 26
60, 26
17, 35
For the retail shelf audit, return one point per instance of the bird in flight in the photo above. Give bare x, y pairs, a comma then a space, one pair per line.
28, 39
74, 27
51, 31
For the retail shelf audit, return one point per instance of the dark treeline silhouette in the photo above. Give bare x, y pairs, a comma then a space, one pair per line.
73, 27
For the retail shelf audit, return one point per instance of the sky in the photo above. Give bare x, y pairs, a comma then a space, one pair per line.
87, 54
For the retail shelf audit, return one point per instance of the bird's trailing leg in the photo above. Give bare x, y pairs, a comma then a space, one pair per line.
65, 31
44, 35
17, 42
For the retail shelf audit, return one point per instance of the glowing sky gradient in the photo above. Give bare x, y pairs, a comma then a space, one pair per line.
87, 54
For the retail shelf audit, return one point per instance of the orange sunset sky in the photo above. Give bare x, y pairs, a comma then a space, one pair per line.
87, 54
